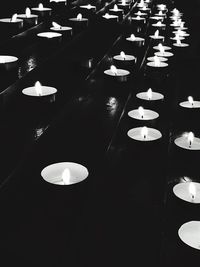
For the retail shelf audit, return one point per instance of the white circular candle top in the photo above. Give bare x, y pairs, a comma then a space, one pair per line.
46, 91
24, 16
154, 65
182, 191
162, 59
125, 58
182, 142
53, 173
41, 9
88, 6
182, 33
165, 47
189, 233
156, 37
155, 96
108, 16
76, 19
120, 72
136, 134
137, 18
117, 10
7, 59
147, 114
9, 20
164, 54
181, 44
177, 38
187, 104
156, 18
180, 28
140, 14
49, 34
62, 28
136, 39
158, 25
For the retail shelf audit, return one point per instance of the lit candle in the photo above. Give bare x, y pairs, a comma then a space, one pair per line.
116, 11
150, 95
138, 18
154, 58
156, 63
8, 62
111, 17
141, 14
124, 5
41, 11
89, 7
40, 91
79, 22
144, 134
180, 44
177, 37
59, 28
64, 173
159, 25
135, 39
188, 191
50, 36
160, 14
156, 18
12, 24
28, 18
119, 74
143, 114
124, 60
181, 33
188, 141
163, 53
190, 103
156, 36
189, 233
161, 47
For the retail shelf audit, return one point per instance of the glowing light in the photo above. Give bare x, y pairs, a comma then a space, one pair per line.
160, 13
28, 12
66, 175
159, 23
138, 17
38, 88
190, 138
56, 25
192, 190
115, 8
122, 54
141, 112
144, 132
113, 69
149, 93
156, 61
156, 34
2, 60
161, 48
79, 16
133, 37
14, 18
123, 2
40, 6
190, 100
178, 41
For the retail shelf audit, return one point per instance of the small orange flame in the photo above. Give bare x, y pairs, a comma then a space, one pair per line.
141, 112
156, 34
133, 37
190, 138
115, 8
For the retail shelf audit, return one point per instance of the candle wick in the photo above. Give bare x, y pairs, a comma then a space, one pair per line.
142, 116
192, 197
145, 136
190, 144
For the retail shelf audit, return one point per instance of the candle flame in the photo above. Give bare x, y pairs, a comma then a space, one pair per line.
156, 34
141, 112
14, 17
156, 61
28, 12
161, 48
123, 2
160, 13
139, 13
192, 190
144, 132
149, 94
113, 69
106, 15
132, 37
89, 6
190, 138
66, 175
79, 16
56, 25
178, 41
115, 8
40, 6
138, 17
122, 54
2, 60
159, 23
190, 100
38, 88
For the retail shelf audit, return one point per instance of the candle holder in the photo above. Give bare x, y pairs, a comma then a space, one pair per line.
189, 234
187, 192
11, 26
125, 61
29, 20
42, 12
162, 59
65, 173
119, 75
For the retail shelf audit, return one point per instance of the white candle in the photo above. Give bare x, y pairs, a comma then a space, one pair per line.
64, 173
188, 141
190, 103
156, 36
163, 54
57, 27
156, 63
79, 19
13, 21
162, 59
88, 7
162, 47
139, 13
156, 18
181, 33
144, 134
8, 62
41, 8
111, 17
180, 44
150, 95
143, 114
135, 39
124, 57
116, 9
120, 74
188, 191
39, 90
29, 18
49, 35
159, 24
138, 18
189, 233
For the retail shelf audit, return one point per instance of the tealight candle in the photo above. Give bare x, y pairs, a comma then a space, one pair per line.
156, 37
180, 44
64, 29
188, 141
189, 233
139, 41
28, 18
12, 24
144, 134
177, 37
79, 21
138, 18
124, 60
188, 191
190, 103
118, 74
89, 7
116, 11
146, 9
157, 63
50, 36
65, 173
124, 5
181, 33
162, 59
8, 62
150, 95
143, 114
163, 53
140, 14
159, 25
46, 93
162, 47
111, 17
41, 11
156, 18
